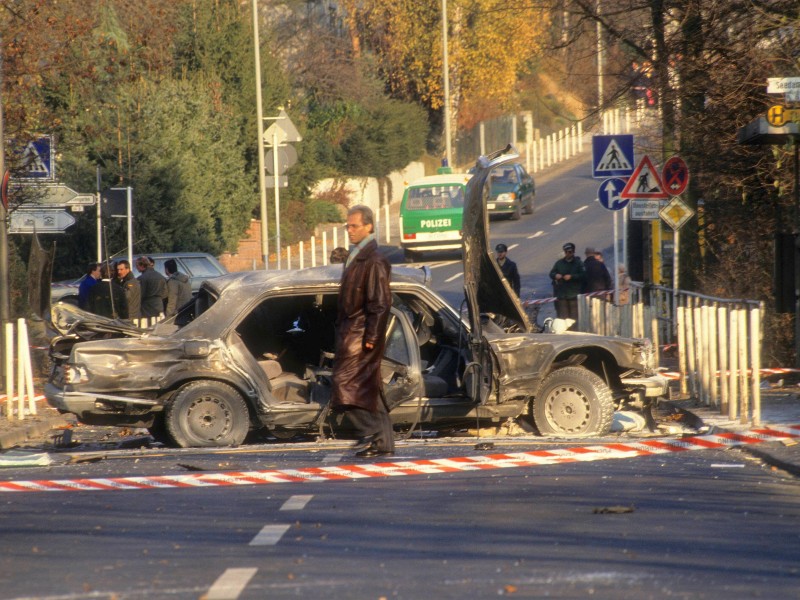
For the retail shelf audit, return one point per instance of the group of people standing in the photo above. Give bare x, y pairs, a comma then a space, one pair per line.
112, 290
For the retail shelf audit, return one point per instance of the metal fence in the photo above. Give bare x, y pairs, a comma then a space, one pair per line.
718, 342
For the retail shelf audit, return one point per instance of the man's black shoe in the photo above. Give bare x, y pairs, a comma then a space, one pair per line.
373, 450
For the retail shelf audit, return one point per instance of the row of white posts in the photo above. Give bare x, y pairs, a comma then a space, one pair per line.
718, 342
316, 252
19, 376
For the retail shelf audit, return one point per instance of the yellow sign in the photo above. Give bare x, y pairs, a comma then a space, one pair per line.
778, 116
676, 213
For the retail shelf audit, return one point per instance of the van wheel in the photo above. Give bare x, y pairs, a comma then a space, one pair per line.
207, 414
573, 402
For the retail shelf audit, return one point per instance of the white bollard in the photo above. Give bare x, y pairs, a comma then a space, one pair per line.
388, 222
335, 237
324, 248
313, 251
580, 136
28, 368
20, 375
9, 350
302, 257
288, 257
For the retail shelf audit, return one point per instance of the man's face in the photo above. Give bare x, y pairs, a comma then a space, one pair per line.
122, 271
356, 230
569, 254
501, 254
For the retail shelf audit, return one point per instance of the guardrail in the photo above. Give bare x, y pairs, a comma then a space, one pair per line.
718, 341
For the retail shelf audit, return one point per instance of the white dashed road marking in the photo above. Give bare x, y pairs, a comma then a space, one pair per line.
230, 584
333, 458
269, 535
581, 208
535, 235
559, 221
297, 502
454, 277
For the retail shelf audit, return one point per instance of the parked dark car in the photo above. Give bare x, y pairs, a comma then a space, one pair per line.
511, 191
255, 351
199, 266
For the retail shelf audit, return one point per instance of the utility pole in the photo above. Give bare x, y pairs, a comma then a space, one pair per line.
5, 305
446, 76
262, 184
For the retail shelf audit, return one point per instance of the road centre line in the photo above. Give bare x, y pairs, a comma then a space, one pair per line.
454, 277
535, 235
297, 502
230, 584
333, 457
269, 535
410, 466
559, 221
581, 208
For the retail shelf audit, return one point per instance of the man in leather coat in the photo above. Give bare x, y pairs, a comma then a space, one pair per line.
363, 314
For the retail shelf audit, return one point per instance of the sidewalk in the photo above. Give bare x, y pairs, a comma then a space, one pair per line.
779, 406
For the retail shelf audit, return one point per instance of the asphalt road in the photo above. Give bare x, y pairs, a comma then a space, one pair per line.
703, 524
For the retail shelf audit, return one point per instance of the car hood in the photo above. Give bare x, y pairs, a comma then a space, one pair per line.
71, 320
486, 289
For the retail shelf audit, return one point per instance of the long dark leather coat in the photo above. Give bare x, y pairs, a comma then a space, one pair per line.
364, 303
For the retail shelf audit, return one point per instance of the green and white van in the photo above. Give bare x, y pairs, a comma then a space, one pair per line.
431, 213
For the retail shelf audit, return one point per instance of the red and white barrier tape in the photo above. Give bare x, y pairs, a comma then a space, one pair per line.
402, 468
747, 372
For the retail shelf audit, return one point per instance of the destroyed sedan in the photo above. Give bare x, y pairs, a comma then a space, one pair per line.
254, 352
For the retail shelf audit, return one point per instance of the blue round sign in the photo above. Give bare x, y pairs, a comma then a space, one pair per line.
608, 194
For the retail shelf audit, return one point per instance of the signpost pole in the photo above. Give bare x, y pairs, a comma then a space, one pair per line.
5, 309
99, 220
130, 226
262, 185
277, 197
616, 257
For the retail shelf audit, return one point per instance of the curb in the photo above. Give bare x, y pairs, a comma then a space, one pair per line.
762, 453
17, 435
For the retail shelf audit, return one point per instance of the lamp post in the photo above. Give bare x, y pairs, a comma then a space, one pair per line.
446, 87
262, 185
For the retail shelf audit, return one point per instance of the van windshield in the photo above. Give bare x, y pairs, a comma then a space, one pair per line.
435, 197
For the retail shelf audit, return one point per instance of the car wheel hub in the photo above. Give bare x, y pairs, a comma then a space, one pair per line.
568, 409
208, 418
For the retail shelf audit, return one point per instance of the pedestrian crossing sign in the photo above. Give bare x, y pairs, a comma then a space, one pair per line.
645, 183
612, 156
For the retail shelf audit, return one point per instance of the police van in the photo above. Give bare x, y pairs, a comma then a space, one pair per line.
431, 213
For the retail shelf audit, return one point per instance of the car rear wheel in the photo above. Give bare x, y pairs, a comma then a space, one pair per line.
529, 207
573, 402
515, 216
207, 413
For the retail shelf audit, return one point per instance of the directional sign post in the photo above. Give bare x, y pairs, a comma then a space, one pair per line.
43, 220
61, 195
609, 194
277, 135
612, 156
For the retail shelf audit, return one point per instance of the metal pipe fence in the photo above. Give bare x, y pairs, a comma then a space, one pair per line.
718, 341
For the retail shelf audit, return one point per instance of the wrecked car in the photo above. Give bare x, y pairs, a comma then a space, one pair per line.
254, 351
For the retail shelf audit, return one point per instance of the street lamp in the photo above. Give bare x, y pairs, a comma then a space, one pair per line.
446, 76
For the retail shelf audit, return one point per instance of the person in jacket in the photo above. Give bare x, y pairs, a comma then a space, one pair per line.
567, 275
106, 298
85, 288
153, 287
598, 279
363, 313
179, 289
132, 306
508, 267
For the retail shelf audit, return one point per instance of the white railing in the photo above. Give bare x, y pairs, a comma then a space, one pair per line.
718, 342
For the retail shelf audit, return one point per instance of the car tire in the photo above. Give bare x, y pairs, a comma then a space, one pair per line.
410, 256
529, 207
207, 414
573, 402
515, 216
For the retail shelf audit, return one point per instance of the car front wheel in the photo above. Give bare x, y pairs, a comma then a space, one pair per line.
207, 413
573, 402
